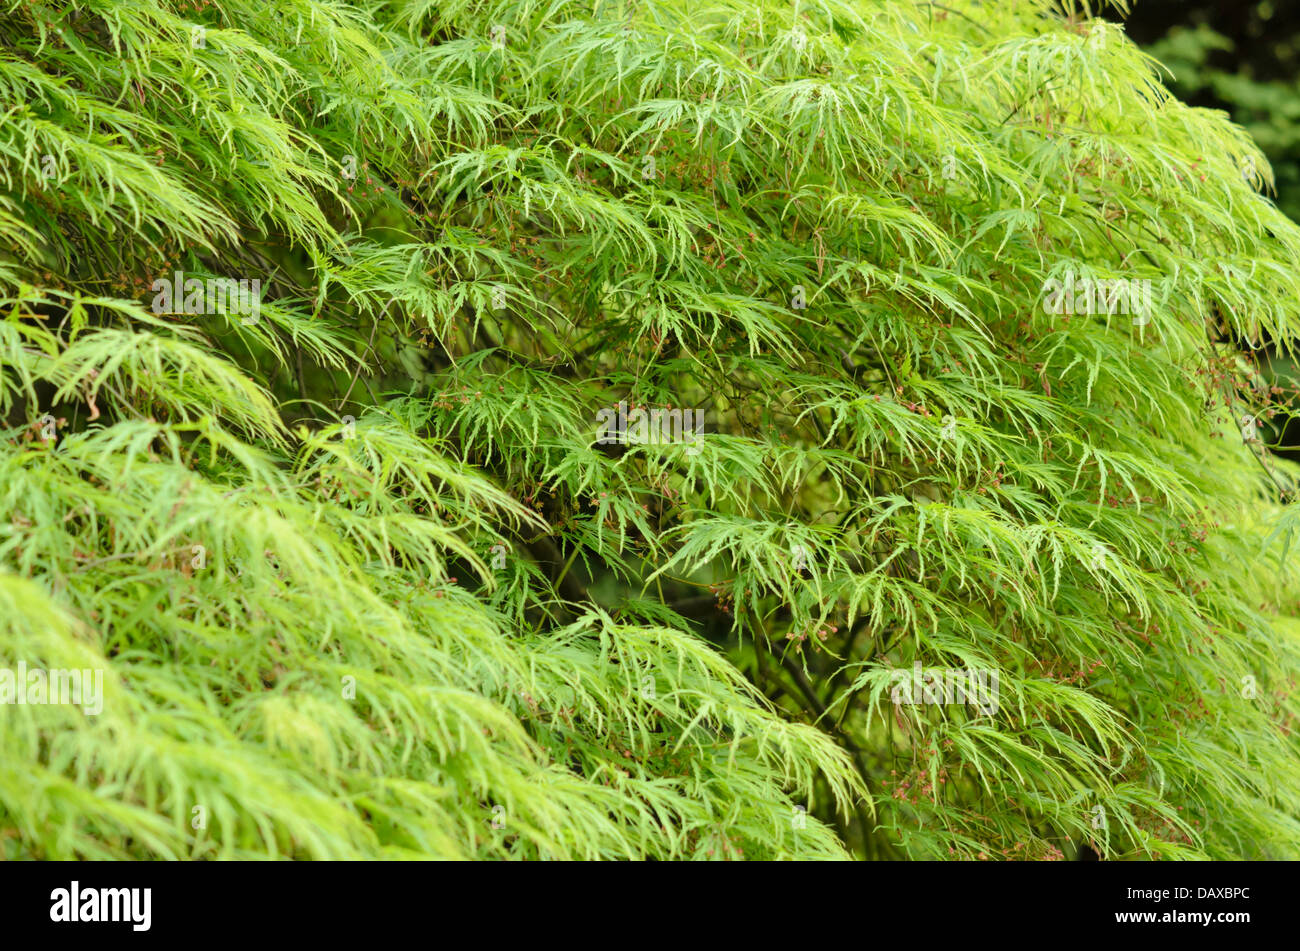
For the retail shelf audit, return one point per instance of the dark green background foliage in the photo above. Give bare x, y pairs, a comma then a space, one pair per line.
1242, 57
365, 583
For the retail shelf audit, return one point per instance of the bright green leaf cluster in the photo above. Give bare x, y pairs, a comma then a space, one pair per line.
368, 575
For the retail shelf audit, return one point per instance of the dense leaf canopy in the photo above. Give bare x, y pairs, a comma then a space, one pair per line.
365, 581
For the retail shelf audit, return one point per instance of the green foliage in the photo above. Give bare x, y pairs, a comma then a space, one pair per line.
829, 226
1267, 108
1242, 58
